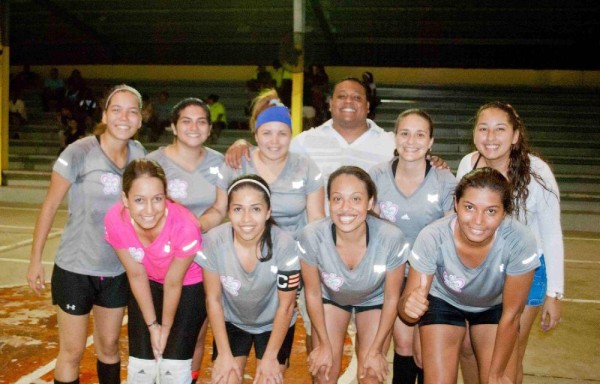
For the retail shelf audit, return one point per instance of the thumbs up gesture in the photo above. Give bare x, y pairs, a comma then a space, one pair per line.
416, 303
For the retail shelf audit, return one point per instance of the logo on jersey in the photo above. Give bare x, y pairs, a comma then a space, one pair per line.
111, 183
433, 198
177, 188
297, 184
453, 282
389, 210
136, 253
333, 281
231, 285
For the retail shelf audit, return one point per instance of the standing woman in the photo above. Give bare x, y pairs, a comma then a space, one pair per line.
411, 194
475, 266
294, 180
352, 262
191, 170
501, 141
156, 240
87, 274
251, 271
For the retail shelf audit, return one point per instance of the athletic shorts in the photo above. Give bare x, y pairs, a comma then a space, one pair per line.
353, 308
76, 294
188, 320
537, 293
441, 312
241, 342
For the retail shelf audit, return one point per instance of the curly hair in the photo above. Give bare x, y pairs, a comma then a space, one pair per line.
519, 164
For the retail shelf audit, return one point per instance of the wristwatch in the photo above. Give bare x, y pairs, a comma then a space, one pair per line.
557, 295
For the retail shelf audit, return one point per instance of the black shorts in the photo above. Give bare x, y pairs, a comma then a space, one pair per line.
241, 342
353, 308
76, 294
440, 312
190, 315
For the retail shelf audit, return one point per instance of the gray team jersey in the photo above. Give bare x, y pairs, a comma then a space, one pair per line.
195, 190
473, 289
363, 285
250, 299
431, 201
299, 177
95, 187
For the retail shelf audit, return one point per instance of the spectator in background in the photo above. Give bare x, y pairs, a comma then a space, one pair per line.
218, 116
75, 89
374, 101
318, 90
72, 132
16, 108
283, 82
163, 116
149, 118
54, 90
87, 110
262, 79
26, 79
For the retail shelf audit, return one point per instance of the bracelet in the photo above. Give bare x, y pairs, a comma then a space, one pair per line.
152, 324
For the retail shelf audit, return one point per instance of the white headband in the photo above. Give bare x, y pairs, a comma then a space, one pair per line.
121, 89
249, 181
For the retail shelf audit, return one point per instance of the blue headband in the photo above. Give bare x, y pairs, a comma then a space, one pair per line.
276, 113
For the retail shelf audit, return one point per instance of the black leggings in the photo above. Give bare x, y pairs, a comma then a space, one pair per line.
189, 317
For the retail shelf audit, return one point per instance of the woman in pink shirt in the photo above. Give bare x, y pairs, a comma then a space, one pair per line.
156, 240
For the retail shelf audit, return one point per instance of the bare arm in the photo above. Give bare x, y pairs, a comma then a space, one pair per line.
315, 205
140, 287
235, 152
59, 186
516, 289
172, 294
320, 357
375, 359
225, 363
268, 368
214, 215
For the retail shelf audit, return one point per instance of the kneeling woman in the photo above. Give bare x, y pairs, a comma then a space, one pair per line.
252, 271
156, 240
477, 266
352, 261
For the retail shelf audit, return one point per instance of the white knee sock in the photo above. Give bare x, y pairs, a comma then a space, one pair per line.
141, 371
175, 371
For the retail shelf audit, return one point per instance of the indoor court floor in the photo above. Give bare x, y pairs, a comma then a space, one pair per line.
28, 336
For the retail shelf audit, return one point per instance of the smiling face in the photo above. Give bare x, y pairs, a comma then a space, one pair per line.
146, 202
494, 135
349, 104
480, 212
413, 138
192, 127
273, 139
248, 212
122, 116
349, 203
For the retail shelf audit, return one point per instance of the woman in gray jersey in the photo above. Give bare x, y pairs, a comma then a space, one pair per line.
295, 180
192, 170
351, 262
475, 266
411, 194
87, 274
501, 140
251, 274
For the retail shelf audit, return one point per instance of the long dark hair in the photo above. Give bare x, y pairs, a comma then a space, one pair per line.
519, 164
250, 181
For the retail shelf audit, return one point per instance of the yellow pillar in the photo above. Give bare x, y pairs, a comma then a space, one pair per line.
4, 84
297, 85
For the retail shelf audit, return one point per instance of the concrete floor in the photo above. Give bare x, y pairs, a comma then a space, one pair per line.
567, 355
